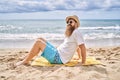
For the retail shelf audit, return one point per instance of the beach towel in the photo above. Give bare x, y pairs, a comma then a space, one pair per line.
41, 61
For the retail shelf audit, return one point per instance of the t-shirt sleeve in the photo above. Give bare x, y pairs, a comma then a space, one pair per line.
79, 38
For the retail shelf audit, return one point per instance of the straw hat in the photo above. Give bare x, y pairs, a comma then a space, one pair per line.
73, 17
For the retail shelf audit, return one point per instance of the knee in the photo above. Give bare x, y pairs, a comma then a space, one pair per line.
39, 40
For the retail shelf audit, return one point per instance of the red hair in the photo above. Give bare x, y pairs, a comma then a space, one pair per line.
69, 30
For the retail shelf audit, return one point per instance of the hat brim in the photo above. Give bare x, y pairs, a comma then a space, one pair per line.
73, 17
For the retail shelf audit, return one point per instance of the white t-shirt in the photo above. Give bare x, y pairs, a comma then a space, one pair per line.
69, 46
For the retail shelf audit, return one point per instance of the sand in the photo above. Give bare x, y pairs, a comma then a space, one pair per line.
108, 70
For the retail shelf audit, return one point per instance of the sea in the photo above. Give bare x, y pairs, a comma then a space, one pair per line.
22, 33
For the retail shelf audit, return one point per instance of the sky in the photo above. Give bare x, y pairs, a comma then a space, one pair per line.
59, 9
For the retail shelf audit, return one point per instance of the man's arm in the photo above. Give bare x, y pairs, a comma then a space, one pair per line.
79, 52
83, 53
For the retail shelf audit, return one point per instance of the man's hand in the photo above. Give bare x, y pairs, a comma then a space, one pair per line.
76, 58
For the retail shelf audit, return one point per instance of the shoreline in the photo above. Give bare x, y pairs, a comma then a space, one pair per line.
26, 43
109, 56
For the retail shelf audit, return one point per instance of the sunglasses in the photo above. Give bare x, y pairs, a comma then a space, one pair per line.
69, 22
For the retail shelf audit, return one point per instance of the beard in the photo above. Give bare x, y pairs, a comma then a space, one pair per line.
73, 26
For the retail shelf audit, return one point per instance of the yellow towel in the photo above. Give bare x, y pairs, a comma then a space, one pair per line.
43, 62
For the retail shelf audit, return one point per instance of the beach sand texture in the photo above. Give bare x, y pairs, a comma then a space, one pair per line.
109, 70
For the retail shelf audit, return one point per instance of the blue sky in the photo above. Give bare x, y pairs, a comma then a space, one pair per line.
59, 9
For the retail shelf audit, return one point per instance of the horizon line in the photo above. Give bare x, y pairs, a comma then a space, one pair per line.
61, 19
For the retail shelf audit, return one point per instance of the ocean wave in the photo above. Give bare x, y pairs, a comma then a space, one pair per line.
101, 28
48, 36
53, 36
9, 27
101, 36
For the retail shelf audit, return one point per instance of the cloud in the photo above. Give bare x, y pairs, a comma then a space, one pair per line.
24, 6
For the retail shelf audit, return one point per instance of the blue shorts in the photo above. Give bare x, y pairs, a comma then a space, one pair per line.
51, 54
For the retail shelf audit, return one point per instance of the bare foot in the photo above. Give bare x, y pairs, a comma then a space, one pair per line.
21, 63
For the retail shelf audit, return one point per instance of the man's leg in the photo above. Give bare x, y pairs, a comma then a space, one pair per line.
38, 46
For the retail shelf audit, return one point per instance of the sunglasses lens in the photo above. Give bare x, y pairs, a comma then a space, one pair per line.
69, 22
